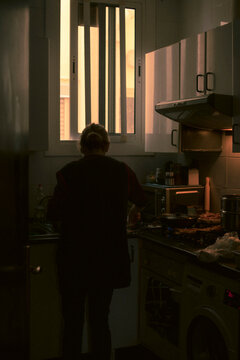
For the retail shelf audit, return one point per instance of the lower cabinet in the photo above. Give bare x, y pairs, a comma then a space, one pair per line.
124, 307
46, 321
160, 303
45, 303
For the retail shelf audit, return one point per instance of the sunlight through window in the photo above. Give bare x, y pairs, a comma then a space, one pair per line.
105, 69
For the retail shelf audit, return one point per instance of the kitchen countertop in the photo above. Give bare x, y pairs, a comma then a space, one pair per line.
44, 233
190, 250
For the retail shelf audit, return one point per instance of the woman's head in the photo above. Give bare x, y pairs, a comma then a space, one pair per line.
94, 139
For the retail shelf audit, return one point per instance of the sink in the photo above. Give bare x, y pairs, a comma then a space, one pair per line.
41, 231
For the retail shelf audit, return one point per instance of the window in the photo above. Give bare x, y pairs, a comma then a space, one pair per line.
100, 69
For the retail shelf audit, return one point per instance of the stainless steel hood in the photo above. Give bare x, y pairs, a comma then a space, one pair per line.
212, 111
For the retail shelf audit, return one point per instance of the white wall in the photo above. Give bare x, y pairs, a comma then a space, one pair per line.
42, 168
164, 22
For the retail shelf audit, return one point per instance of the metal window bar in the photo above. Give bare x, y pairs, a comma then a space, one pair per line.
123, 70
73, 72
102, 62
137, 75
86, 17
111, 69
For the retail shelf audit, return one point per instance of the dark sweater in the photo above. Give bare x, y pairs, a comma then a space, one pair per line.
90, 200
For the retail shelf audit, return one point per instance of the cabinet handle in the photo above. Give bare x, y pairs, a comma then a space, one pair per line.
35, 270
235, 132
172, 143
213, 81
197, 83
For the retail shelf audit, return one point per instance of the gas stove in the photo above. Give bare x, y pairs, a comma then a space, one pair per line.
197, 234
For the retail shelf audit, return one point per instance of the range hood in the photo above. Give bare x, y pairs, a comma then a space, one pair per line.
212, 111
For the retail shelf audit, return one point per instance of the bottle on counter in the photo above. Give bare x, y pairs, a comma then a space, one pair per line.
39, 211
169, 173
207, 195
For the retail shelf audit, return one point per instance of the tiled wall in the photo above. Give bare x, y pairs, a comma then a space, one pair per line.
223, 170
230, 164
42, 170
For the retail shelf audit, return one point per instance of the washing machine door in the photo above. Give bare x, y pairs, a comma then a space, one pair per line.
205, 341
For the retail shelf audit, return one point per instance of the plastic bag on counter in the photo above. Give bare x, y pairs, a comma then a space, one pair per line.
222, 248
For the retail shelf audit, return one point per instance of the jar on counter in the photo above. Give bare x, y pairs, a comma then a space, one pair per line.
169, 173
169, 178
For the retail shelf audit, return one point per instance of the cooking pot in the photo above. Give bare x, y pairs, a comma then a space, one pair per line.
230, 212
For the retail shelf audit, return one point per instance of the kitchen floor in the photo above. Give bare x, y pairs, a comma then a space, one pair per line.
131, 353
136, 352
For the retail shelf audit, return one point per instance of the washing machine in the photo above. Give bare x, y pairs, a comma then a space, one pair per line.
210, 314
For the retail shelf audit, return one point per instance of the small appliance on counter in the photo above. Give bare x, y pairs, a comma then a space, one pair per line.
173, 199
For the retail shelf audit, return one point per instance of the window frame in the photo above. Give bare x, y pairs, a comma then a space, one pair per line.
126, 144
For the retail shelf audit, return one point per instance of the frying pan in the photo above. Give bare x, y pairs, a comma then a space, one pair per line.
177, 220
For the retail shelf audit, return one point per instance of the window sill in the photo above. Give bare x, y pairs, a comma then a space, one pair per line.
71, 148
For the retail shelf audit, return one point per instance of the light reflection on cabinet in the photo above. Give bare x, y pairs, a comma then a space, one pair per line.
161, 83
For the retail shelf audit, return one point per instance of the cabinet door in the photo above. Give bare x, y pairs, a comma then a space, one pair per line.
45, 309
219, 60
192, 66
236, 87
124, 307
161, 84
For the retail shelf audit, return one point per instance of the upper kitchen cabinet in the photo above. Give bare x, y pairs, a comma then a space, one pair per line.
161, 83
192, 66
206, 63
218, 76
236, 87
209, 87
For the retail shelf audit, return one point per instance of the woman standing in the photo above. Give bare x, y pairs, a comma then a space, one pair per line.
91, 203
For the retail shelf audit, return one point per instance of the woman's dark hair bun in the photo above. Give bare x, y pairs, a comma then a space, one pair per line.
93, 140
94, 137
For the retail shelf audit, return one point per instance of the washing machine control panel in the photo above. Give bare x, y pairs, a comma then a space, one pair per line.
232, 299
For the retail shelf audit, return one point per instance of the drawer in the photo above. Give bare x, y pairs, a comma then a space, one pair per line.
163, 266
